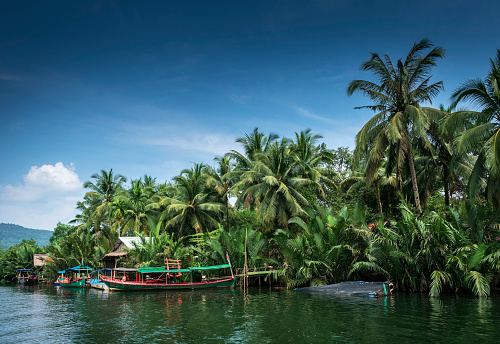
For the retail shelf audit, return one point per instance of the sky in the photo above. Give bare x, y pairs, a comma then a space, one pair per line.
151, 87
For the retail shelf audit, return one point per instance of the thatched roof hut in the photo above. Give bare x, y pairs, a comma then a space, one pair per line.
111, 259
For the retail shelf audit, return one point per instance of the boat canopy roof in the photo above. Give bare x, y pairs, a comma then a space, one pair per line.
194, 268
105, 269
159, 269
18, 270
214, 267
123, 269
79, 267
76, 268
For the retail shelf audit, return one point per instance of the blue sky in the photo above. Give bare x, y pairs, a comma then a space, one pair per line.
149, 87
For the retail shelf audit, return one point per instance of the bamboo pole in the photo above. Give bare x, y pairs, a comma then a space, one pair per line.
245, 273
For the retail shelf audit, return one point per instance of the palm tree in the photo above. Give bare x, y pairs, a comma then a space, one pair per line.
102, 191
358, 179
71, 250
220, 179
192, 205
107, 185
309, 155
400, 119
274, 183
441, 162
137, 211
481, 130
253, 144
19, 256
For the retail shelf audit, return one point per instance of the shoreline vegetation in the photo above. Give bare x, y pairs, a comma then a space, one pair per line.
416, 203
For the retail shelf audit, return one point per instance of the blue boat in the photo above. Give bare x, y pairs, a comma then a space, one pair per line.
96, 282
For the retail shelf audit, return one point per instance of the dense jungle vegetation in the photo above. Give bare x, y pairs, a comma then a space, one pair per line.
417, 201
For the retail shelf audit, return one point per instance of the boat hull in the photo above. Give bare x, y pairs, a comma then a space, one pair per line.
97, 284
119, 285
76, 284
27, 280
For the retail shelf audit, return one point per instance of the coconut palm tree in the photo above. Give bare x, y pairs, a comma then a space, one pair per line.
481, 130
397, 99
253, 144
310, 156
137, 211
220, 179
71, 250
106, 186
274, 183
192, 206
441, 166
358, 179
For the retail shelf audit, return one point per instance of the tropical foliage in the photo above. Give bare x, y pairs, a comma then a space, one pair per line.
19, 256
400, 119
416, 203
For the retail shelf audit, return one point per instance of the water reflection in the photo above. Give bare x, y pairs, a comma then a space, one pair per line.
46, 314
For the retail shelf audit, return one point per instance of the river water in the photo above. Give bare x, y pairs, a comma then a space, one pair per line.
44, 314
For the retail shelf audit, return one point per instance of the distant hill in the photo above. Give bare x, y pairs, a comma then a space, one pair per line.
11, 234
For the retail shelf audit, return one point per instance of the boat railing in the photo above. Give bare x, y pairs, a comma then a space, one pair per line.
173, 264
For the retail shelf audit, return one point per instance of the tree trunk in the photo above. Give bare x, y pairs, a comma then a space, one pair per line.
379, 200
227, 213
446, 188
413, 178
397, 176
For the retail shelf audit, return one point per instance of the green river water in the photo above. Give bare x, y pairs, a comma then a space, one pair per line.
44, 314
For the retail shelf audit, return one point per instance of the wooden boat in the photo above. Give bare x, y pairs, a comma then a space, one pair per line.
26, 276
168, 277
74, 277
96, 282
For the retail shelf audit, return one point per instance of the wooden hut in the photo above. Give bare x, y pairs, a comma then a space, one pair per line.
39, 259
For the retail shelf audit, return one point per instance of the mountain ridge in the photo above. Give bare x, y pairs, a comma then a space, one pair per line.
11, 234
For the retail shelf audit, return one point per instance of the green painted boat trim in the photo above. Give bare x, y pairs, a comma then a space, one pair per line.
203, 268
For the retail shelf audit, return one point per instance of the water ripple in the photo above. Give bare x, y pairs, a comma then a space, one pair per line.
43, 314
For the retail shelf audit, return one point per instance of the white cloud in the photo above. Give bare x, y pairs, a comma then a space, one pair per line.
336, 132
218, 144
308, 114
43, 181
48, 195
